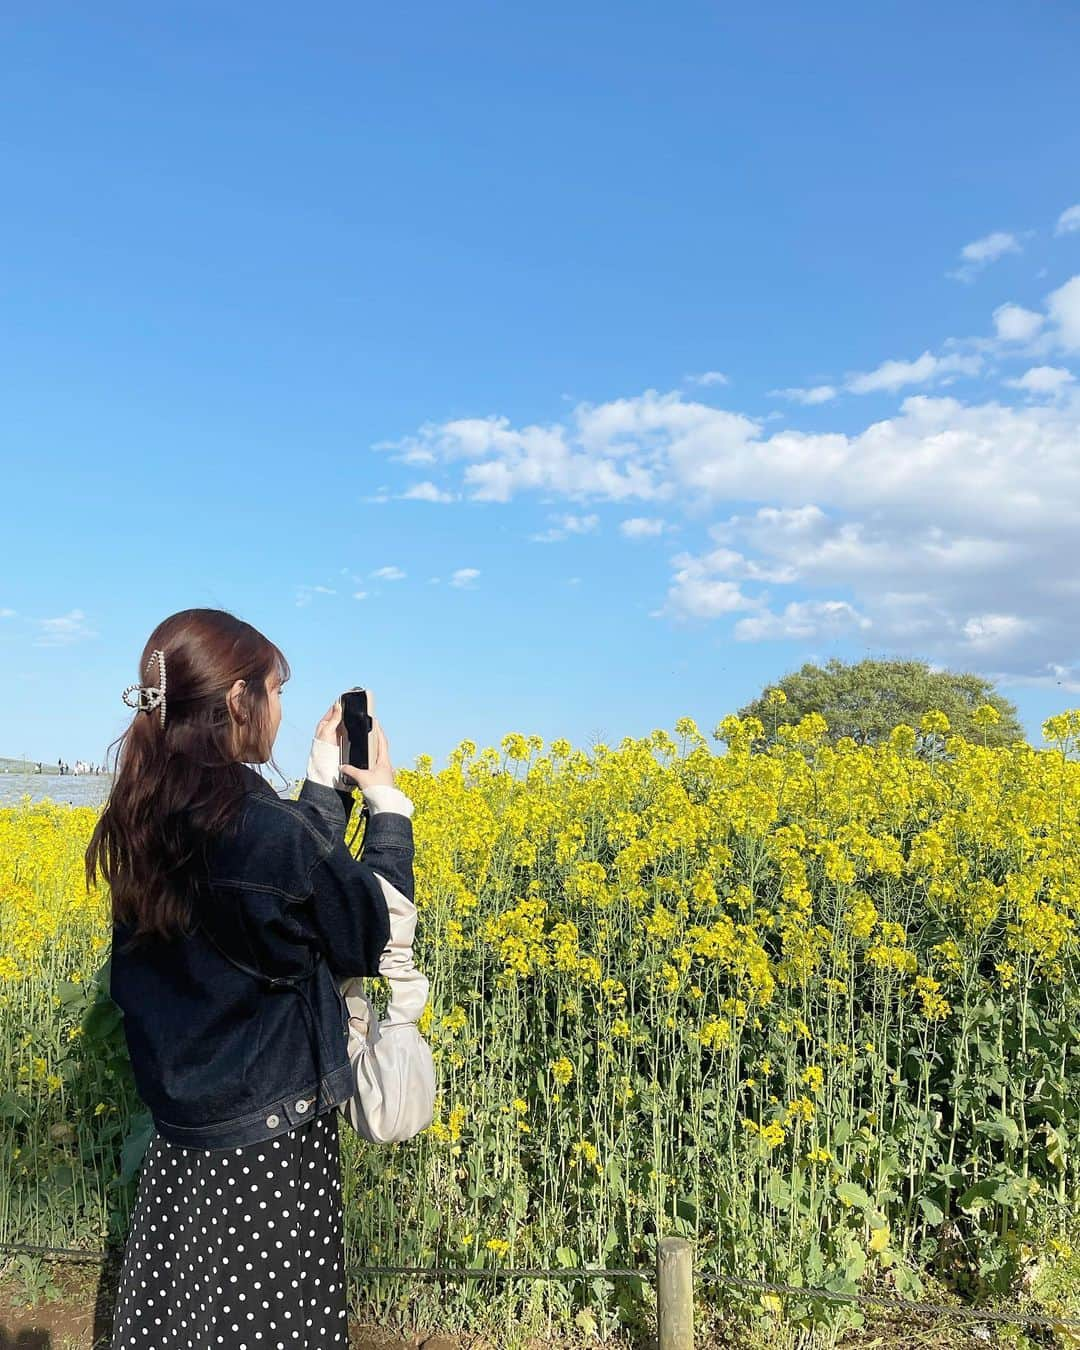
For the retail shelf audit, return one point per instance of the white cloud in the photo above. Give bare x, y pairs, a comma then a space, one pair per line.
1064, 308
802, 620
415, 453
464, 576
388, 573
694, 454
579, 524
922, 523
427, 492
567, 525
729, 563
1016, 324
981, 252
505, 460
7, 613
994, 630
641, 527
63, 630
304, 593
708, 377
1069, 221
893, 375
1048, 380
960, 356
990, 247
819, 393
694, 594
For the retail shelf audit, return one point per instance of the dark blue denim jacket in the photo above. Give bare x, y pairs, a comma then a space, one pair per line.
222, 1055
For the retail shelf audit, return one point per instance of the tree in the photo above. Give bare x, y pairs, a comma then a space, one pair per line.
866, 699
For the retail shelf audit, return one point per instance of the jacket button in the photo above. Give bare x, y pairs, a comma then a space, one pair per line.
301, 1106
273, 1120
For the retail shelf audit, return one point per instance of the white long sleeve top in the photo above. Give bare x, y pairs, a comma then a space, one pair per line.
408, 987
323, 768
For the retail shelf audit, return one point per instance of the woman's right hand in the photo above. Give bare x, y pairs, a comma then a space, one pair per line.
381, 772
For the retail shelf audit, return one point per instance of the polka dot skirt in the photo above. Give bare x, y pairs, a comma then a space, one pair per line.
239, 1248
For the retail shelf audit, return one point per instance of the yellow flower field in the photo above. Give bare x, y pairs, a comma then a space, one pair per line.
813, 1005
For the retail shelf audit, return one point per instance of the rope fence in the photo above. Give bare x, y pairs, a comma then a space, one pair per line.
675, 1280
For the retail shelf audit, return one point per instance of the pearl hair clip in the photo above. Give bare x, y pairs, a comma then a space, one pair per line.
150, 696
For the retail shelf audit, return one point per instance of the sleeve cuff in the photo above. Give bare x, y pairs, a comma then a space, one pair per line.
322, 768
387, 797
323, 763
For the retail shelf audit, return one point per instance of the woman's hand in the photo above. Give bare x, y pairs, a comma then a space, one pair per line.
382, 771
327, 730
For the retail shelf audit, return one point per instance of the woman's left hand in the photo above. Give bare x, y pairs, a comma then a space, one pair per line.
327, 730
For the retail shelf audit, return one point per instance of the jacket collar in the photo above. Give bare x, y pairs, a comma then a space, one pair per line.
255, 782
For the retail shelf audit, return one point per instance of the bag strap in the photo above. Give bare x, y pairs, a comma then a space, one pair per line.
275, 980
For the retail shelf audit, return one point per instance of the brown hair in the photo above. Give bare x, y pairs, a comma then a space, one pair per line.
178, 785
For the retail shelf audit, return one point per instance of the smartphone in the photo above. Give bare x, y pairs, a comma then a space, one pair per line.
357, 738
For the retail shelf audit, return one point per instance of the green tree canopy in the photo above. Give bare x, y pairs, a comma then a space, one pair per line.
866, 699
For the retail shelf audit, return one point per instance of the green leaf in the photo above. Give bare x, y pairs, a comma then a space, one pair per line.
1014, 1192
850, 1194
932, 1211
1002, 1128
565, 1257
101, 1021
950, 1176
1057, 1146
135, 1145
778, 1191
13, 1107
613, 1172
978, 1196
687, 1209
62, 1177
854, 1270
585, 1321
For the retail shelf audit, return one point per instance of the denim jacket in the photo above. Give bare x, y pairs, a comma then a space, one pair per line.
238, 1032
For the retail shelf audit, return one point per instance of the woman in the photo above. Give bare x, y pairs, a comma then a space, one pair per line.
236, 916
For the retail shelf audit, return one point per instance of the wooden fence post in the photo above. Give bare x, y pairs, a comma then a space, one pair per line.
675, 1294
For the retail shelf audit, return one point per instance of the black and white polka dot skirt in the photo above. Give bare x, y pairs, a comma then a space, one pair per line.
237, 1249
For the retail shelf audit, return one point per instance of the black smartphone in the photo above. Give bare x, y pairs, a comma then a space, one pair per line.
356, 735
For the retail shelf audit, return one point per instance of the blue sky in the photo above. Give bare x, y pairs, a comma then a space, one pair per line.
557, 368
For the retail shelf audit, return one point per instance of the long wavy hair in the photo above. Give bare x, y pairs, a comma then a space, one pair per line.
177, 786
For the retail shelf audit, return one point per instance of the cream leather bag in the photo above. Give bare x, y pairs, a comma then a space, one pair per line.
393, 1094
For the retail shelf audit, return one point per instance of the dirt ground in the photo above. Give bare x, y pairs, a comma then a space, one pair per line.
81, 1319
